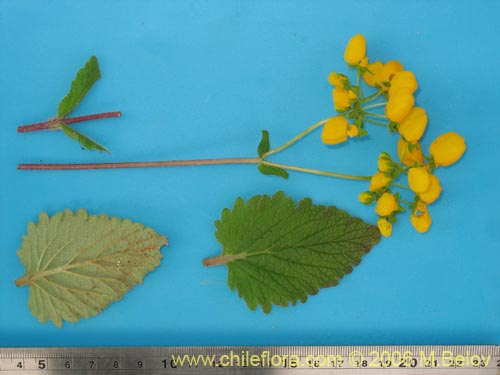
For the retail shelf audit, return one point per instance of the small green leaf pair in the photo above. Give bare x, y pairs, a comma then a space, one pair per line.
84, 80
262, 149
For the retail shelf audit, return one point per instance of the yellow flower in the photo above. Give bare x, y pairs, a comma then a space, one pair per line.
413, 126
420, 218
433, 192
378, 181
409, 157
364, 61
385, 227
419, 179
386, 205
366, 197
384, 162
447, 148
337, 79
390, 69
355, 50
404, 79
400, 104
375, 77
352, 131
335, 131
342, 98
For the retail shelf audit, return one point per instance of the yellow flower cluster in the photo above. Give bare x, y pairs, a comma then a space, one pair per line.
394, 96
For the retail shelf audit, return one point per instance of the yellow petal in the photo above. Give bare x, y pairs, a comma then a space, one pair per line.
385, 227
419, 179
403, 79
386, 205
409, 157
433, 192
390, 69
378, 181
355, 50
341, 99
374, 76
399, 104
420, 218
353, 131
335, 131
447, 148
413, 126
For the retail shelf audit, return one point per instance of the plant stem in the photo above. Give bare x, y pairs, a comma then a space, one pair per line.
373, 106
371, 97
184, 163
376, 122
53, 124
296, 138
145, 164
318, 172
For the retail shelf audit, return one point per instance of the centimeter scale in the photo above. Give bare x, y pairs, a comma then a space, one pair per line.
295, 360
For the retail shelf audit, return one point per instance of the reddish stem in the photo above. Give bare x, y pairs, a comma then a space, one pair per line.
53, 123
145, 164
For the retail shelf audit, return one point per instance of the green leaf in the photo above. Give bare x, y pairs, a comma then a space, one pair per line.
85, 141
264, 145
272, 170
77, 264
82, 83
278, 252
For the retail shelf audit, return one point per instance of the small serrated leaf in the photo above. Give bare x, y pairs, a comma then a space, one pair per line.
264, 145
272, 170
77, 264
82, 83
278, 252
85, 141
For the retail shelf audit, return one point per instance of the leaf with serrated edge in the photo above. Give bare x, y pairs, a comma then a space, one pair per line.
77, 264
85, 141
278, 252
82, 83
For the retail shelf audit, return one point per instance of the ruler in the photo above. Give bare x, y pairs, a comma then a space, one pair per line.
295, 360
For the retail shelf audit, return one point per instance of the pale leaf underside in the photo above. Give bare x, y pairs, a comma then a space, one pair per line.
77, 264
278, 252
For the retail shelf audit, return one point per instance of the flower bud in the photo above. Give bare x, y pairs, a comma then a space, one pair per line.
337, 79
355, 50
379, 181
385, 227
335, 131
390, 69
420, 218
366, 197
352, 131
374, 76
413, 126
384, 162
404, 79
400, 104
409, 157
419, 179
386, 205
447, 149
341, 98
433, 192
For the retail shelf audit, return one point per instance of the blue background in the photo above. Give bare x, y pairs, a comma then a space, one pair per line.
200, 79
